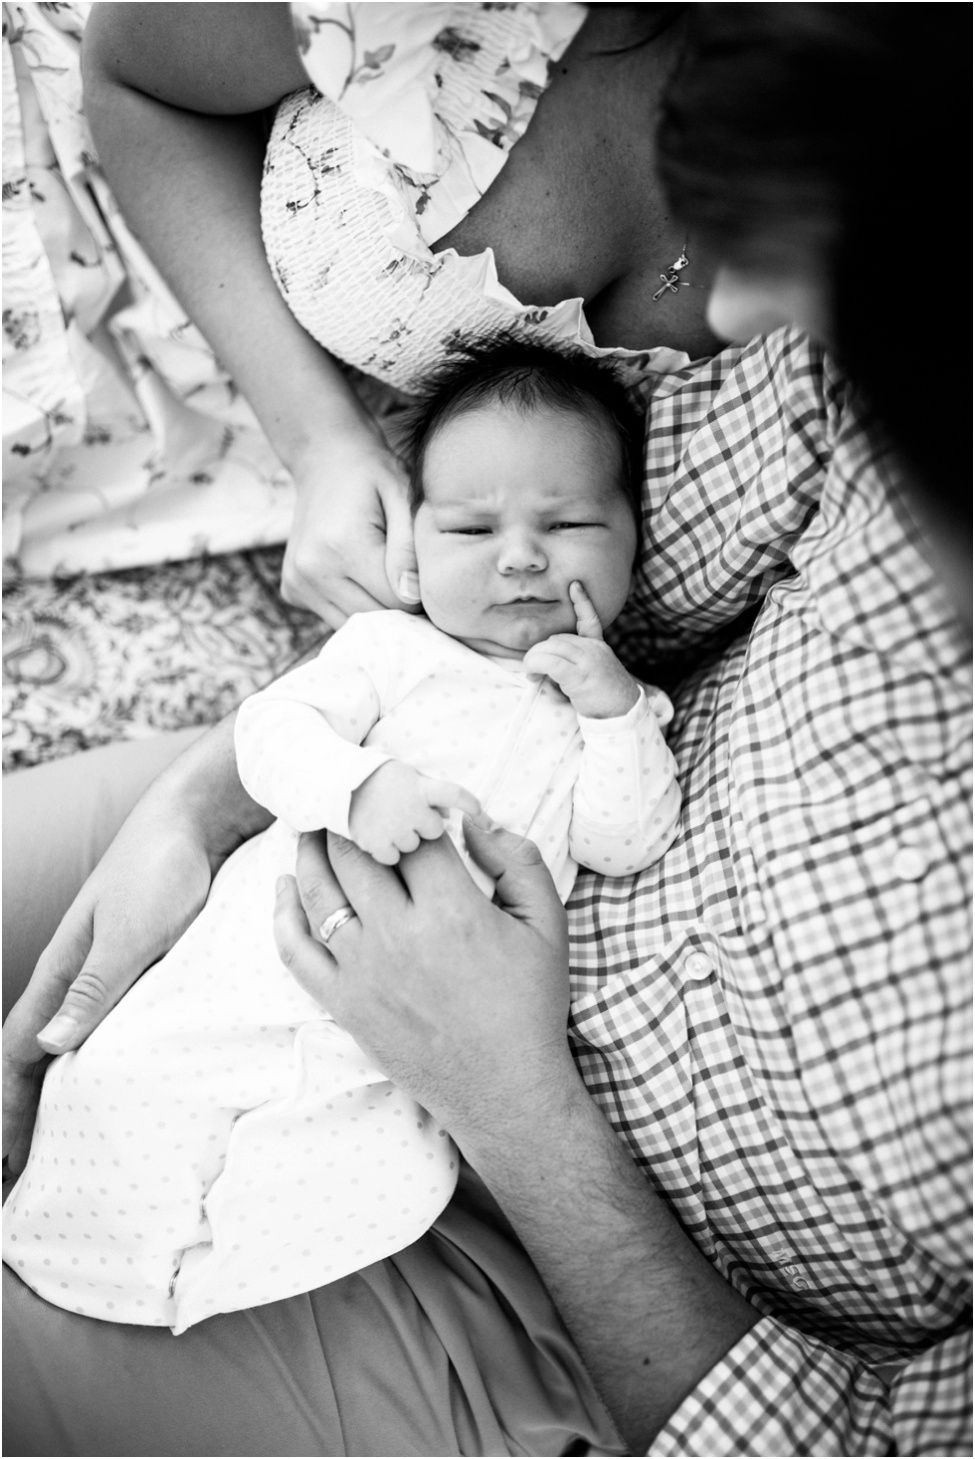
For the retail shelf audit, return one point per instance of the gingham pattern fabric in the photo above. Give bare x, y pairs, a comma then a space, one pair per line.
776, 1018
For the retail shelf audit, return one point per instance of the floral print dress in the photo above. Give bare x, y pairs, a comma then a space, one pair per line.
411, 115
133, 472
127, 449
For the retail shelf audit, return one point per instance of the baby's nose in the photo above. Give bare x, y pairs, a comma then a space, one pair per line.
521, 551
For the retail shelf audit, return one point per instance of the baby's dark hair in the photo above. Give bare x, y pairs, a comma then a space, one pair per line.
531, 377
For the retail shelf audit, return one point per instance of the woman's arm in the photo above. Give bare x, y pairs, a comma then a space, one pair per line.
143, 894
426, 977
173, 95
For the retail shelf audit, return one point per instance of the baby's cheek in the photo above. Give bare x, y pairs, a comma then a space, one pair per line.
610, 592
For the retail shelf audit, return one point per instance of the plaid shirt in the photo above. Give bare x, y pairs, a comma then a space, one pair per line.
776, 1017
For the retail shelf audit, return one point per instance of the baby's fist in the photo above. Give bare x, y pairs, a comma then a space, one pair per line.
585, 668
396, 808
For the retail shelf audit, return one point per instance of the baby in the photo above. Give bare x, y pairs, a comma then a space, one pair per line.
219, 1142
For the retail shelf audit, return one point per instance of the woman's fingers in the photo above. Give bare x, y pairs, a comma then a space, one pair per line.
332, 594
21, 1093
587, 619
79, 977
60, 1006
350, 549
401, 573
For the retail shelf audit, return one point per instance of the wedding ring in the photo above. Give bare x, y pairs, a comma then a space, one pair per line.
338, 919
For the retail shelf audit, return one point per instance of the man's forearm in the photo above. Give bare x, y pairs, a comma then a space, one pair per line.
648, 1313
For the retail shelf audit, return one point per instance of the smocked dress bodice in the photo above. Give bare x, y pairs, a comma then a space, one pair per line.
412, 114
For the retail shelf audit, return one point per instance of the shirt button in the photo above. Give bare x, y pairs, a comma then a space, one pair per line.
759, 916
698, 965
910, 863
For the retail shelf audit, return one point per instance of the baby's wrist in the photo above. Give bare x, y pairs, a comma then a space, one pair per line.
612, 704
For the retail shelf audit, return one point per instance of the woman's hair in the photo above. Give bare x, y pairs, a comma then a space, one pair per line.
530, 377
823, 130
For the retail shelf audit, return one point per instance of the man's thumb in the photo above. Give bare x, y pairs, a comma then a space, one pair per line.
523, 883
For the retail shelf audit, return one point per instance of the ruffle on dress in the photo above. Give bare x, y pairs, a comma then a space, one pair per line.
442, 92
353, 268
391, 148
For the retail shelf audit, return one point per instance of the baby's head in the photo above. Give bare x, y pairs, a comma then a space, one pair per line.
526, 464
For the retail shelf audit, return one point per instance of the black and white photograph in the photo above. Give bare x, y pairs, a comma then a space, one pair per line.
487, 729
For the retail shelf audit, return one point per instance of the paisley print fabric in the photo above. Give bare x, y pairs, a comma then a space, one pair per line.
125, 655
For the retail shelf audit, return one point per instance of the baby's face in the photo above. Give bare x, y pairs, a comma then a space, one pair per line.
517, 506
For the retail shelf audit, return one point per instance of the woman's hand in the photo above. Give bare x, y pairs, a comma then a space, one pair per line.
350, 548
135, 904
140, 898
462, 1002
172, 93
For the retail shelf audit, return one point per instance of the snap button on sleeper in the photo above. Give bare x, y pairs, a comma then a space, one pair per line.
698, 965
910, 863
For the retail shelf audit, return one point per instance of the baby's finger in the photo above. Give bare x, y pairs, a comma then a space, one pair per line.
442, 794
429, 824
564, 646
587, 619
551, 663
539, 661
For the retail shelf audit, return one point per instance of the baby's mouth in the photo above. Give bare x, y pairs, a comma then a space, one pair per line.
529, 601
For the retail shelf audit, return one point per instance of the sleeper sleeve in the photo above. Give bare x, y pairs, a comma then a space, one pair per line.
299, 741
626, 803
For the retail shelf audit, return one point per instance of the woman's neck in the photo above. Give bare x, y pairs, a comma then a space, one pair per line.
610, 28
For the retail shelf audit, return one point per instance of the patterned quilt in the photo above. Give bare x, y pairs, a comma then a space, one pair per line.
125, 655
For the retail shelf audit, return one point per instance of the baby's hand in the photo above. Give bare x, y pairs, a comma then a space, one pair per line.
397, 807
584, 667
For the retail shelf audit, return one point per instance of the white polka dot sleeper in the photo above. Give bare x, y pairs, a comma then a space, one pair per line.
218, 1142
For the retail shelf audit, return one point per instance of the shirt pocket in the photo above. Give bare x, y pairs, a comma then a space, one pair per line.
630, 1040
870, 930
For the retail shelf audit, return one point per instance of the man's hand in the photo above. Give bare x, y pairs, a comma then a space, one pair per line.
585, 667
350, 549
462, 1002
396, 808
